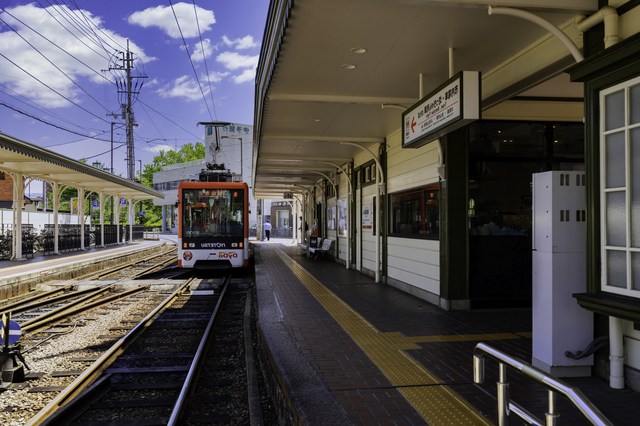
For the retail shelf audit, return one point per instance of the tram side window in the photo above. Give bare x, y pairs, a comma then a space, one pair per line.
416, 213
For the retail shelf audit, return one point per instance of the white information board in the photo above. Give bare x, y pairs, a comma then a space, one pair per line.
451, 106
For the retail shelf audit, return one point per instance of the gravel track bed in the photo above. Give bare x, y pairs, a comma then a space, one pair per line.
227, 351
18, 406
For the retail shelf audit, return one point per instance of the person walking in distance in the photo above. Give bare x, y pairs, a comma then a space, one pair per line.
267, 230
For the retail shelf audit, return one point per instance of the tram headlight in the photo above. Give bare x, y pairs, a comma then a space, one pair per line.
235, 245
192, 245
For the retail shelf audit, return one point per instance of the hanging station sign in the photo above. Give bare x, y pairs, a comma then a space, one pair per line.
454, 104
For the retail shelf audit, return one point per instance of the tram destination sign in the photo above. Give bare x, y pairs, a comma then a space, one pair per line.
452, 105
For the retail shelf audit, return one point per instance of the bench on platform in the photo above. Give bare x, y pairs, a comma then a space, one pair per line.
326, 244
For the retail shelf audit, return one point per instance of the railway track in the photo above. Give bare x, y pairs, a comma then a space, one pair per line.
186, 367
136, 268
62, 343
45, 309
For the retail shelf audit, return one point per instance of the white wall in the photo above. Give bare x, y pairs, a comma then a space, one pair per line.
37, 219
412, 261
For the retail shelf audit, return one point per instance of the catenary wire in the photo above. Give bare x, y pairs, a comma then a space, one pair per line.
90, 27
58, 47
33, 104
204, 59
54, 65
53, 90
51, 124
73, 21
191, 61
117, 43
46, 9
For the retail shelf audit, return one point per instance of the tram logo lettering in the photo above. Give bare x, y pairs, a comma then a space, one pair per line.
213, 245
223, 255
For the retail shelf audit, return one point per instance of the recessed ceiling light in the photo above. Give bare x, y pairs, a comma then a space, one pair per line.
348, 66
315, 119
358, 50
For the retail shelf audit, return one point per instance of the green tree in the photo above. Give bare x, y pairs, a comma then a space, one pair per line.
188, 152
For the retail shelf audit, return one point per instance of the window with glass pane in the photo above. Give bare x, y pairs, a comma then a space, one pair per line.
213, 212
416, 213
620, 189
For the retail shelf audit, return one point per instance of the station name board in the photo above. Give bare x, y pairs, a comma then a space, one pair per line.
452, 105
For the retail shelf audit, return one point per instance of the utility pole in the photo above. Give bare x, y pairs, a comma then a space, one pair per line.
127, 88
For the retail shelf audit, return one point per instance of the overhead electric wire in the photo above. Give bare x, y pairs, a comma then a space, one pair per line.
117, 43
150, 119
50, 124
88, 23
36, 106
192, 66
204, 59
70, 32
56, 67
58, 47
63, 8
102, 132
166, 118
53, 90
73, 21
106, 152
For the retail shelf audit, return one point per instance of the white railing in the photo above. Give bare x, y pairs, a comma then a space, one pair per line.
155, 234
553, 385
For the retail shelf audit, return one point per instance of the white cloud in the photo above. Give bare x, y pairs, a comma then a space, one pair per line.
216, 77
163, 18
197, 50
27, 58
155, 149
233, 60
247, 75
152, 82
182, 87
240, 43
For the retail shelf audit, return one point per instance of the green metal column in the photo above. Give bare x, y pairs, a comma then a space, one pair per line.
454, 221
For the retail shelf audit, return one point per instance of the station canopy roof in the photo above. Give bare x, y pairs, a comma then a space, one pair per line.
18, 156
333, 71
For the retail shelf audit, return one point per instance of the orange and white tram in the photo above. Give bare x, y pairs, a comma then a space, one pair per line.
213, 230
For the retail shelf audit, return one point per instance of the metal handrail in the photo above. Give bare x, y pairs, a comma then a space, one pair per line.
505, 407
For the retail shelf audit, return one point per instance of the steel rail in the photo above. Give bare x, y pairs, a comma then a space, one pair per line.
95, 293
33, 299
126, 265
153, 268
189, 386
577, 398
77, 310
56, 299
90, 375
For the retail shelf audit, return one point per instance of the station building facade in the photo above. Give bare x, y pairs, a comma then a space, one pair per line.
451, 222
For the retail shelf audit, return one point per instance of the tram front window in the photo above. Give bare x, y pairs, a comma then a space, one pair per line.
213, 212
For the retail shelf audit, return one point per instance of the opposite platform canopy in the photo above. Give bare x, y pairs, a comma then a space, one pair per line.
18, 156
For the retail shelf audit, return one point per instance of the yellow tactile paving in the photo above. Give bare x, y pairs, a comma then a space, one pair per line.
436, 402
467, 337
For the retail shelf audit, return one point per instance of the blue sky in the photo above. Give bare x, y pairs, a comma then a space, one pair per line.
54, 92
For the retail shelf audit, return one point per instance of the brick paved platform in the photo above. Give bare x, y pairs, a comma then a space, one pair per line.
349, 351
